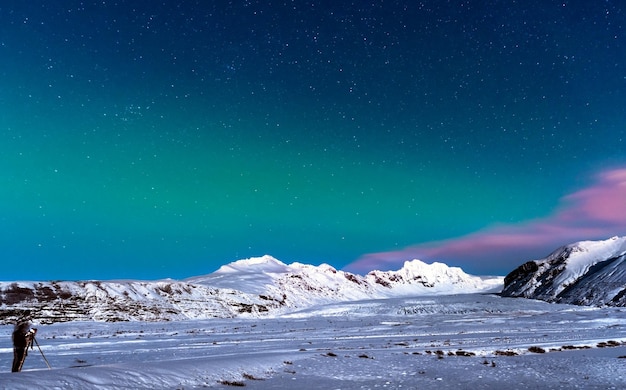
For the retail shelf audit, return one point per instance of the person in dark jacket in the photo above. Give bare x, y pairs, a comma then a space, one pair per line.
23, 337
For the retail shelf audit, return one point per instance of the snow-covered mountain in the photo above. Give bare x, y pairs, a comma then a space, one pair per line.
583, 273
251, 287
300, 285
164, 300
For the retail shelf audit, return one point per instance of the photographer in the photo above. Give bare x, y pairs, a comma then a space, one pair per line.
23, 337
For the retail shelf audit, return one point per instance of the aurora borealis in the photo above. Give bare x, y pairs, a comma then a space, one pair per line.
150, 140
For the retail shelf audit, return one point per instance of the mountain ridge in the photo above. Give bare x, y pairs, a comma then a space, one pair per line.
324, 283
582, 273
250, 287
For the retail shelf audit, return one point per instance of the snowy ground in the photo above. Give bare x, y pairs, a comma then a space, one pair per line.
389, 344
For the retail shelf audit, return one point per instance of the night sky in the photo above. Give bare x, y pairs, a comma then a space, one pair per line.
150, 139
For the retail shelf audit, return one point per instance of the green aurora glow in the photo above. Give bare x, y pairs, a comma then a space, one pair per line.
164, 141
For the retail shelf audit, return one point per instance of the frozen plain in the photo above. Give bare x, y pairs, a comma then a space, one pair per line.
389, 344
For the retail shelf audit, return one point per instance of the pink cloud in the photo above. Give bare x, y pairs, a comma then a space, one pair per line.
605, 202
595, 212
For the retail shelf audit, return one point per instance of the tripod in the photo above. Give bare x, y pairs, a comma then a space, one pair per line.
42, 355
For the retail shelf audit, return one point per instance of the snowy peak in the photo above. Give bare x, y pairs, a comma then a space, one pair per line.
250, 275
262, 264
586, 254
250, 287
435, 275
297, 285
583, 273
301, 285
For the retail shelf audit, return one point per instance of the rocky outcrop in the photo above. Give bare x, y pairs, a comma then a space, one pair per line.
583, 273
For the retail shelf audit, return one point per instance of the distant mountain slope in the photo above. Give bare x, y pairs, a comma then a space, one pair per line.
252, 287
110, 301
583, 273
300, 285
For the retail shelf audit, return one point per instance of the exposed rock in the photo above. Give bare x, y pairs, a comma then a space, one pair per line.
583, 273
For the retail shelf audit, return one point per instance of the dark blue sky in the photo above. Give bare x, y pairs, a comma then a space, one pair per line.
164, 139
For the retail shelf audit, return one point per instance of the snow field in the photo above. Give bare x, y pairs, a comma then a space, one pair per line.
391, 343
